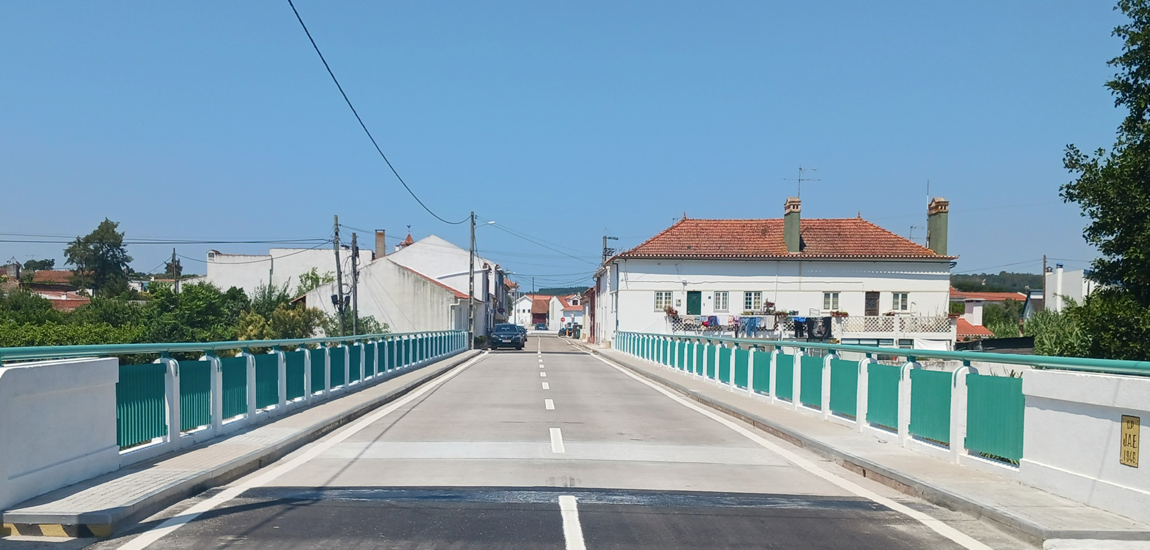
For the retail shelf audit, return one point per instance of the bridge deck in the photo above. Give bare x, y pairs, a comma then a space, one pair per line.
553, 448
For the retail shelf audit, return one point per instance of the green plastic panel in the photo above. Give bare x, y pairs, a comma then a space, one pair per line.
295, 374
195, 394
318, 358
337, 357
762, 371
355, 357
882, 395
369, 359
141, 414
741, 356
994, 415
844, 387
811, 386
235, 383
930, 404
700, 354
267, 380
725, 365
711, 360
785, 376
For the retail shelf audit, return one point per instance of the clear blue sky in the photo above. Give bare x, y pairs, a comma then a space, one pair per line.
216, 120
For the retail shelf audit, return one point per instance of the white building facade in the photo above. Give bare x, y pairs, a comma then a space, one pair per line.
701, 276
279, 267
1060, 287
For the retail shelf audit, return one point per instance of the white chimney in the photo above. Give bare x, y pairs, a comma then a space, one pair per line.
973, 314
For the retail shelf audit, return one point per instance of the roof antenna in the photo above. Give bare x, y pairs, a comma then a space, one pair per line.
801, 179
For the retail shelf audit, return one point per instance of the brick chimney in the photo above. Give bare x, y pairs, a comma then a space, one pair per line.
937, 213
380, 243
791, 217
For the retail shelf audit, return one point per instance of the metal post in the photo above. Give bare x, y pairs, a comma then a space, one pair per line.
354, 286
338, 279
471, 287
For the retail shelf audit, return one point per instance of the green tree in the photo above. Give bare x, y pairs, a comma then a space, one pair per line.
199, 313
37, 265
101, 260
267, 298
312, 280
1113, 190
22, 307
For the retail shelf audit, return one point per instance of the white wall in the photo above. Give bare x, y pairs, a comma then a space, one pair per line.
790, 284
522, 313
1075, 286
404, 300
281, 265
447, 263
57, 425
1073, 438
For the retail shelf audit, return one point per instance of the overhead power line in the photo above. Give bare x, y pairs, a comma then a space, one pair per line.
364, 126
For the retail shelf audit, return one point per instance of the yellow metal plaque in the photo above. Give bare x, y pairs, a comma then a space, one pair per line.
1130, 427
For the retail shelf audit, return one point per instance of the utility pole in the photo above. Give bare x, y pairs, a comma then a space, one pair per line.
176, 269
471, 288
608, 252
338, 280
354, 285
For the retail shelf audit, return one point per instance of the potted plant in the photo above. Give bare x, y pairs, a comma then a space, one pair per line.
671, 312
839, 314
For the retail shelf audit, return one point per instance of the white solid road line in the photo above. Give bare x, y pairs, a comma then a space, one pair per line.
572, 530
962, 539
549, 404
542, 375
546, 386
167, 527
557, 441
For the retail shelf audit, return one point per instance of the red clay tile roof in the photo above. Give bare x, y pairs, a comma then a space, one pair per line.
567, 305
843, 238
966, 330
540, 304
956, 294
407, 241
458, 294
53, 277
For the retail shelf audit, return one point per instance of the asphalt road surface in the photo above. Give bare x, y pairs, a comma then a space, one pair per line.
552, 448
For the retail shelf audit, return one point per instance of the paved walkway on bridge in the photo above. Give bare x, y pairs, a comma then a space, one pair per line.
554, 448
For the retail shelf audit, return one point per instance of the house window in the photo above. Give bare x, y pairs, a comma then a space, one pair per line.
722, 302
831, 301
752, 301
662, 300
899, 301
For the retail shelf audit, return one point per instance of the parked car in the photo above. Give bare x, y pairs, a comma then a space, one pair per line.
541, 326
506, 335
563, 332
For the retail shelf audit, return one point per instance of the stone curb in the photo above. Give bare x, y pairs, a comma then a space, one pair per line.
106, 522
903, 483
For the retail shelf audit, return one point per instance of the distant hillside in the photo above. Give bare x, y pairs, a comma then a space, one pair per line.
1002, 282
562, 291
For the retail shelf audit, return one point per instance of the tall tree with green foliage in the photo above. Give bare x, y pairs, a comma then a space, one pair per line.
1113, 190
37, 265
101, 260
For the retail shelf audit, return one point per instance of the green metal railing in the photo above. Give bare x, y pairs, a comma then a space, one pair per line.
142, 412
882, 395
844, 387
930, 404
785, 376
994, 416
811, 386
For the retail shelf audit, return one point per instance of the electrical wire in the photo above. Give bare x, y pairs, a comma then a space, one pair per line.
364, 126
259, 260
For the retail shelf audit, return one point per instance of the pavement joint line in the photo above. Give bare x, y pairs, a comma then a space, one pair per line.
572, 529
934, 524
546, 386
549, 404
557, 441
170, 525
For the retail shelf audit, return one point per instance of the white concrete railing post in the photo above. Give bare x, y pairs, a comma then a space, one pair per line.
281, 379
172, 399
706, 359
826, 401
717, 360
734, 360
958, 405
797, 379
904, 389
773, 392
751, 369
217, 396
307, 389
250, 363
862, 401
346, 365
326, 370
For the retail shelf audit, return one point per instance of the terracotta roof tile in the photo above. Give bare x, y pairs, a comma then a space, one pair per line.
50, 276
966, 330
821, 238
956, 294
540, 304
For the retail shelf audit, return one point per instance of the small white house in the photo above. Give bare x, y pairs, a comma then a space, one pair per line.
1060, 287
707, 275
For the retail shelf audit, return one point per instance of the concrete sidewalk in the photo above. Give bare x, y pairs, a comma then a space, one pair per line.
1029, 512
97, 507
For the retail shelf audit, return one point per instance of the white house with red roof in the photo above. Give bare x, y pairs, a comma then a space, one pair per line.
713, 276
